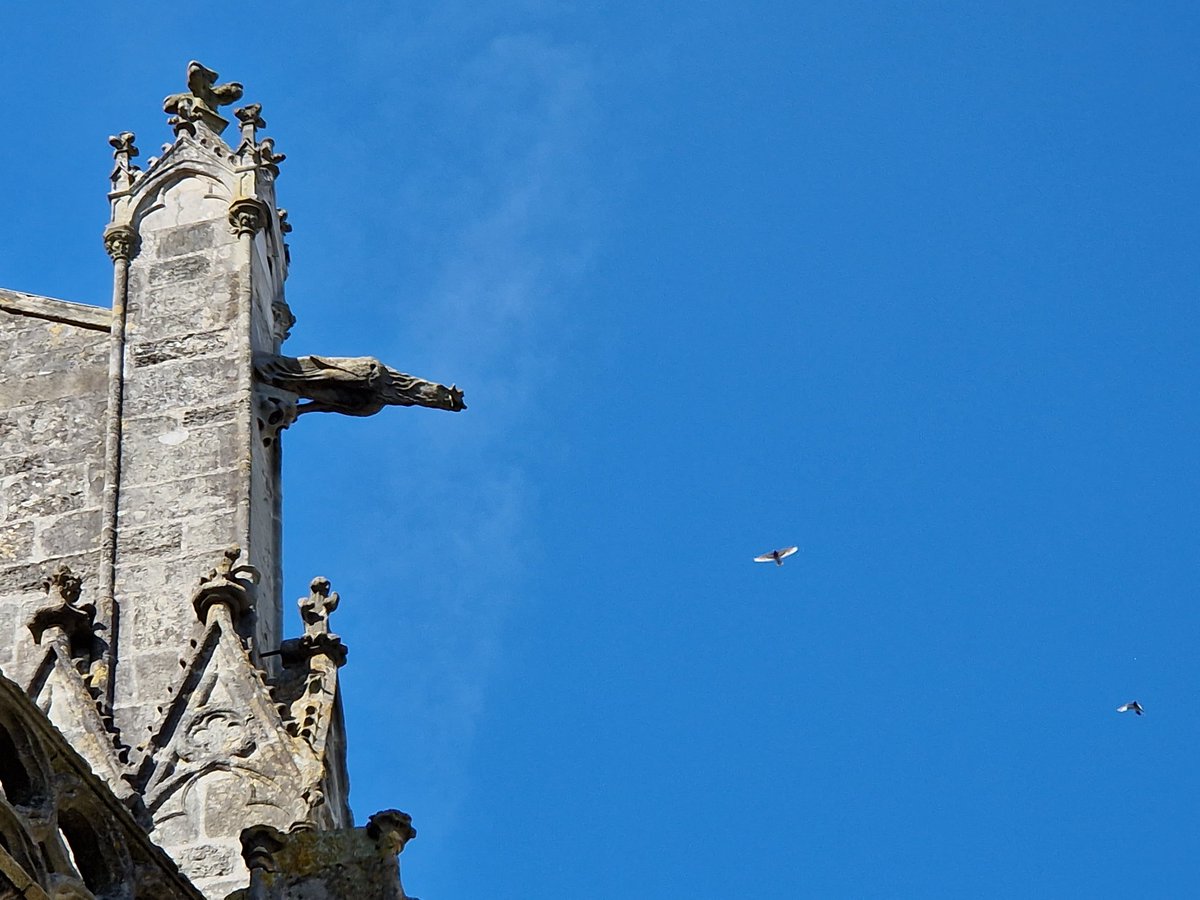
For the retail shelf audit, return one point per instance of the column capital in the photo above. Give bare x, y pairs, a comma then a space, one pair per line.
247, 216
121, 242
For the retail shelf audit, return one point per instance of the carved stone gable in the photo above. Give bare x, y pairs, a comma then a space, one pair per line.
228, 749
223, 757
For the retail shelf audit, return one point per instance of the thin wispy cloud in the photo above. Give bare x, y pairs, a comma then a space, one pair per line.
497, 216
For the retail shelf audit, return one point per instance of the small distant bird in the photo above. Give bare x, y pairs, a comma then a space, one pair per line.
1132, 705
777, 556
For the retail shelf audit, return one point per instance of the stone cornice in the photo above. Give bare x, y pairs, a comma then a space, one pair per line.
94, 317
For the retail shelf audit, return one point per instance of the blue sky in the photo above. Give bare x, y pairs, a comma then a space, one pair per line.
910, 285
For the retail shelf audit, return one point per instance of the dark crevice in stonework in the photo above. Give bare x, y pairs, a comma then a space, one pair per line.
14, 780
87, 852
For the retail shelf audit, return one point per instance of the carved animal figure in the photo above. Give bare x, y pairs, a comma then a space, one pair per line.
777, 556
353, 386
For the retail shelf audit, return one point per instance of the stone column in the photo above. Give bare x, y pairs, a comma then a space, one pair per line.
121, 243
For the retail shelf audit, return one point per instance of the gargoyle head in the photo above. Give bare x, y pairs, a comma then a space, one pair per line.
404, 390
451, 396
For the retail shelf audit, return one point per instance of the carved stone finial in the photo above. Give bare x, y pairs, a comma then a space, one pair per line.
124, 173
65, 583
199, 103
121, 242
267, 156
251, 153
247, 153
122, 144
391, 830
64, 610
317, 639
250, 119
228, 583
316, 607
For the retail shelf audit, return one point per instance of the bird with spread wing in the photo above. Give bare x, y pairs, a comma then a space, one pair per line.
777, 556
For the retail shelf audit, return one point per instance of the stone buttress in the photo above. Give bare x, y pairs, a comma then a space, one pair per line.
193, 465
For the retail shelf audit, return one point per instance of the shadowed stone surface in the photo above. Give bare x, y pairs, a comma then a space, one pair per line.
52, 406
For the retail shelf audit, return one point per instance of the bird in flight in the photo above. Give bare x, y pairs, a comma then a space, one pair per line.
1132, 705
777, 556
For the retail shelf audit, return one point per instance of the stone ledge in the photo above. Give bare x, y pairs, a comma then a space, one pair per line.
66, 311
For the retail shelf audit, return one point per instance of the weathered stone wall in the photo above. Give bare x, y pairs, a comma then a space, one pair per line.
54, 363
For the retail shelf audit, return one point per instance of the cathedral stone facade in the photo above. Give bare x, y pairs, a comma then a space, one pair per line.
159, 736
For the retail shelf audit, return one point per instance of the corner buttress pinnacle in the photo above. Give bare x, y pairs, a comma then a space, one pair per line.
124, 172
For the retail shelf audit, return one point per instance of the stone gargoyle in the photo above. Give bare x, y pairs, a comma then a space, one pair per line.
353, 386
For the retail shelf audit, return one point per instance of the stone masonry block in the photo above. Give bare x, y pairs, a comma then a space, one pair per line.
208, 535
152, 352
157, 611
179, 384
161, 538
217, 490
162, 448
16, 542
173, 272
208, 415
49, 426
73, 532
210, 860
153, 678
148, 577
26, 577
185, 239
164, 312
43, 491
17, 464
